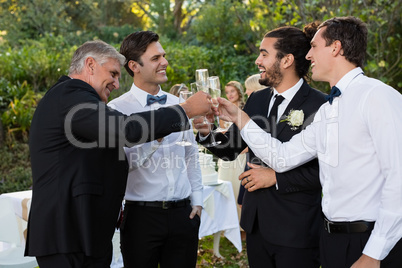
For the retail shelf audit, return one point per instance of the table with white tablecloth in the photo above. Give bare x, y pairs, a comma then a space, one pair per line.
219, 213
22, 203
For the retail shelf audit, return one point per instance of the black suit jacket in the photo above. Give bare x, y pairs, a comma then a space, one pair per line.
291, 215
79, 168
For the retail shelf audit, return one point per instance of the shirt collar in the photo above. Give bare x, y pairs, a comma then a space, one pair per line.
347, 78
141, 95
291, 92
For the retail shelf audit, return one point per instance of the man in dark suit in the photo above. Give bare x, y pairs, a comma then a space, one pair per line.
280, 212
78, 164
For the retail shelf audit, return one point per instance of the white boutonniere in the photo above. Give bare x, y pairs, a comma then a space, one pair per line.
295, 119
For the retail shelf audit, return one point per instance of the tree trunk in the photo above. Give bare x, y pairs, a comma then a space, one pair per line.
178, 16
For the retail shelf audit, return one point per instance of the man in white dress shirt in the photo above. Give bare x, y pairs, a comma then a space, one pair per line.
356, 137
163, 198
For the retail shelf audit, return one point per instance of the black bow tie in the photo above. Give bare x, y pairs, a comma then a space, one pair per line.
335, 92
151, 99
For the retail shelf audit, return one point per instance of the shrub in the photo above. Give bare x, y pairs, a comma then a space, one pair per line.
17, 119
40, 63
15, 172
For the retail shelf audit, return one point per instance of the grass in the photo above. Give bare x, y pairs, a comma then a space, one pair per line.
232, 258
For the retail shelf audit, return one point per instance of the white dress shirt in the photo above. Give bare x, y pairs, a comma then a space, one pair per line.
161, 171
358, 143
288, 96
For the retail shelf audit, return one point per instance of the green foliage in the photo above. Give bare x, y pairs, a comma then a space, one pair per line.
10, 91
115, 34
39, 63
17, 119
384, 50
24, 19
15, 168
217, 24
226, 24
223, 62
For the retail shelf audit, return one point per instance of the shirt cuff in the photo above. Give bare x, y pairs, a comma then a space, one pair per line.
196, 198
244, 129
377, 247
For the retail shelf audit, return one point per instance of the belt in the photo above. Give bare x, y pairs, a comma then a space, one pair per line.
348, 226
160, 204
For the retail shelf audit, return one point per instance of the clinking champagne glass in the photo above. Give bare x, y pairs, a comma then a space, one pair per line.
195, 87
201, 78
184, 95
215, 92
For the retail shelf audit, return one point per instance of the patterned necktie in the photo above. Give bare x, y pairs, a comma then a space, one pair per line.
273, 114
335, 92
151, 99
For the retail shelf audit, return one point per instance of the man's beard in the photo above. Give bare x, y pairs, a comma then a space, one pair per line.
273, 76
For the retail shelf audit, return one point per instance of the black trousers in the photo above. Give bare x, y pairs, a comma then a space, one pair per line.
262, 254
75, 260
342, 250
150, 235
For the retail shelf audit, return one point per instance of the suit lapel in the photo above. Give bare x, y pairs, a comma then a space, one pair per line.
265, 102
258, 108
294, 104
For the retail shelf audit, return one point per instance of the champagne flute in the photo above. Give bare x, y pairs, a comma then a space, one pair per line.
215, 92
201, 83
184, 95
196, 87
213, 82
201, 78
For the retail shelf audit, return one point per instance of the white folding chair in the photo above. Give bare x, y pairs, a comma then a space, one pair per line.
13, 255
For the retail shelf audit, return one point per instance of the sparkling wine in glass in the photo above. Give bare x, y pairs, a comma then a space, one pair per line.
215, 92
184, 95
201, 78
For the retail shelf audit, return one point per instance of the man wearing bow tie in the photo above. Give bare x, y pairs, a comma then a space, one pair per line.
356, 137
163, 198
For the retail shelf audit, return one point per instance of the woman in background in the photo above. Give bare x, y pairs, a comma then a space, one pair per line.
230, 170
252, 84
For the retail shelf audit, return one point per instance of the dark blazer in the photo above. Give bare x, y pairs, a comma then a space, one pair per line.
79, 168
291, 215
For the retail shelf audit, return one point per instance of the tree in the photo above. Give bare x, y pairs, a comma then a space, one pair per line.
235, 25
23, 19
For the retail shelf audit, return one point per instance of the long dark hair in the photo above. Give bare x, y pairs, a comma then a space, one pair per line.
292, 40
